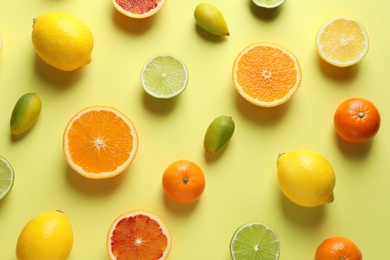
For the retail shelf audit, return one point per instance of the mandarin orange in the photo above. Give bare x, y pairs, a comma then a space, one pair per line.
100, 142
183, 181
357, 120
337, 248
138, 235
266, 74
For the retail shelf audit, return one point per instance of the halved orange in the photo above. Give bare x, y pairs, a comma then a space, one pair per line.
100, 142
266, 74
138, 235
138, 9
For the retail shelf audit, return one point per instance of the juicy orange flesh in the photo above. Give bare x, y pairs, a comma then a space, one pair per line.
343, 41
266, 73
138, 237
138, 6
100, 141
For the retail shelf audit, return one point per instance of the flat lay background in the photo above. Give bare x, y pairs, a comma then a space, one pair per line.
241, 184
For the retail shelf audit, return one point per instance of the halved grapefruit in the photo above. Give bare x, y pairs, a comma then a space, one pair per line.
138, 9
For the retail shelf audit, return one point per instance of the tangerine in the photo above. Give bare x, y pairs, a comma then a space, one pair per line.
336, 248
357, 120
183, 181
100, 142
266, 74
138, 235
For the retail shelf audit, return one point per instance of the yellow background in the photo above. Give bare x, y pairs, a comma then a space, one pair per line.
241, 183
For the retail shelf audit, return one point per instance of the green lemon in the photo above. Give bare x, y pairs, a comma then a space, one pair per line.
218, 134
306, 178
25, 113
47, 236
210, 18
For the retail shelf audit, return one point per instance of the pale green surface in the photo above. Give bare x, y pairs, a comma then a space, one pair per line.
241, 184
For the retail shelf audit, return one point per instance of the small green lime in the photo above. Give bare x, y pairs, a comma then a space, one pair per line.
218, 134
6, 177
256, 241
25, 113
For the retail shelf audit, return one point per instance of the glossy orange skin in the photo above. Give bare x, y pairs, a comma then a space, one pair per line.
183, 181
357, 120
338, 248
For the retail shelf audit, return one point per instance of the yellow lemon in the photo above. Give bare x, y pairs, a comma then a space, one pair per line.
306, 178
47, 236
62, 40
210, 19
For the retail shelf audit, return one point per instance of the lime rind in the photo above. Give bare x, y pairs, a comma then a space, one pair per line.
164, 76
6, 177
268, 3
256, 241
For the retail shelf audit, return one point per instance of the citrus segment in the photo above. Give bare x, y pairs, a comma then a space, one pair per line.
6, 177
342, 41
338, 248
138, 235
164, 76
62, 40
268, 3
256, 241
357, 120
138, 9
100, 142
266, 74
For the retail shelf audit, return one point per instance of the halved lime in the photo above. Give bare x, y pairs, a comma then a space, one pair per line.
164, 76
268, 3
255, 241
6, 177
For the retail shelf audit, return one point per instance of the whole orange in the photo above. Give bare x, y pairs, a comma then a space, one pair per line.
183, 181
338, 248
357, 120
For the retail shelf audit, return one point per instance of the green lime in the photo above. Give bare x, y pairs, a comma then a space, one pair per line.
164, 76
256, 241
268, 3
25, 113
6, 177
218, 134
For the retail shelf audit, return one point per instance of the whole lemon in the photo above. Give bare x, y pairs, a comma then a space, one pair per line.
210, 19
306, 178
62, 40
47, 236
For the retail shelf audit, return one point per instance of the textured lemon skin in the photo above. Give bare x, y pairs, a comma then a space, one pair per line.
210, 18
48, 236
25, 113
306, 178
62, 40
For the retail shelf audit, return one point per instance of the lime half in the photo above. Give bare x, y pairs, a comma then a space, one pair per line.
268, 3
6, 177
255, 241
164, 76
